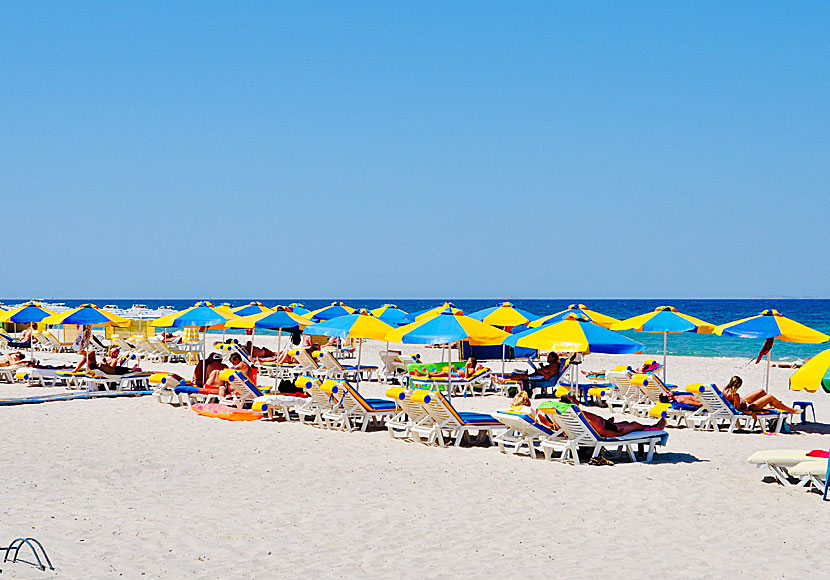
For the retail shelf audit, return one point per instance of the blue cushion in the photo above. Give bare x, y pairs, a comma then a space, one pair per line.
478, 418
381, 404
186, 390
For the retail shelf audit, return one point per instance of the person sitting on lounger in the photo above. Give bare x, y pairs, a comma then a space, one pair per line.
108, 368
549, 372
25, 338
239, 365
755, 401
259, 352
12, 359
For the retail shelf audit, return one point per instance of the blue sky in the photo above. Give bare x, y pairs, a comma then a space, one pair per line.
411, 149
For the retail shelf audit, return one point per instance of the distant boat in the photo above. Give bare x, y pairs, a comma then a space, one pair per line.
111, 307
142, 306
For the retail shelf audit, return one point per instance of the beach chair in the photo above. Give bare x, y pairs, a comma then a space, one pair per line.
319, 402
721, 413
308, 366
580, 434
813, 470
409, 413
335, 370
41, 377
5, 339
165, 388
100, 381
653, 389
7, 374
459, 386
780, 462
241, 390
164, 352
393, 365
450, 423
52, 342
548, 387
626, 395
523, 430
351, 408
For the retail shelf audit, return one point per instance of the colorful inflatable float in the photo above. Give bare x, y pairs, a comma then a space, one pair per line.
226, 412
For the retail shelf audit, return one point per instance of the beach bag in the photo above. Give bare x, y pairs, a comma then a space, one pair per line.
289, 388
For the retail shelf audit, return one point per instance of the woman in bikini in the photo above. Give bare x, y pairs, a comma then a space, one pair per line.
755, 401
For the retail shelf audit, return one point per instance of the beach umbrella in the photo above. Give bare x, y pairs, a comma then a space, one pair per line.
436, 310
203, 315
771, 325
447, 327
26, 314
273, 319
574, 334
581, 311
87, 315
504, 315
664, 319
814, 374
391, 314
298, 308
251, 308
362, 324
333, 310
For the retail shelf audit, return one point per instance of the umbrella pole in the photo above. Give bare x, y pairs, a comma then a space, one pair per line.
449, 372
665, 341
766, 380
204, 357
359, 351
503, 348
386, 364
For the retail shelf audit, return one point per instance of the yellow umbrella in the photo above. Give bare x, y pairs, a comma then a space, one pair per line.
814, 374
581, 312
276, 319
87, 315
437, 310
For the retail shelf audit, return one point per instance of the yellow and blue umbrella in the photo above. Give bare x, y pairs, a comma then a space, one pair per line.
814, 374
771, 325
333, 310
447, 327
664, 319
362, 324
250, 308
505, 314
87, 315
273, 319
26, 314
391, 314
581, 312
202, 314
298, 308
574, 335
437, 310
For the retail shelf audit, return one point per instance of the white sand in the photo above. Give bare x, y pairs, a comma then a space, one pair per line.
131, 488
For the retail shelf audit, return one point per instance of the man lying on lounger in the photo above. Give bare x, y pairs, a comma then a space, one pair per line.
606, 427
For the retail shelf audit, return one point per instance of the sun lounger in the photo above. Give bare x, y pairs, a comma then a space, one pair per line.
580, 434
393, 365
308, 365
721, 413
815, 471
318, 403
165, 352
41, 377
523, 430
448, 422
459, 385
351, 408
548, 387
165, 388
653, 389
335, 370
780, 462
409, 414
51, 343
99, 381
627, 395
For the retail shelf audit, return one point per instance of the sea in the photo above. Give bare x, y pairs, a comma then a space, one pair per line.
814, 313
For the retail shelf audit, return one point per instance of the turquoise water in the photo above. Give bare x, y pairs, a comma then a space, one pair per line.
813, 313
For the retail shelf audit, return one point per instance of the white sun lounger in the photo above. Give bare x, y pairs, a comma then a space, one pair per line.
352, 409
780, 462
448, 422
580, 434
721, 413
815, 470
409, 414
523, 431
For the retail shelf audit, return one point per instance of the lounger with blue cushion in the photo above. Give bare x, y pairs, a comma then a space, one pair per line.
450, 423
721, 413
410, 413
352, 409
523, 431
580, 434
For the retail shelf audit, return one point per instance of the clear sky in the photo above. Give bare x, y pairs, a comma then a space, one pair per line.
415, 149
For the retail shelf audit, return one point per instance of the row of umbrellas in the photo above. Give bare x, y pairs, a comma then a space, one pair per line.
576, 329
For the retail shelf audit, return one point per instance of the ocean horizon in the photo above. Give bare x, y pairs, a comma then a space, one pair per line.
813, 312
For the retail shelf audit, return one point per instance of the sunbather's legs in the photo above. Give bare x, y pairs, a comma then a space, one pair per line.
688, 400
81, 363
754, 396
769, 400
625, 427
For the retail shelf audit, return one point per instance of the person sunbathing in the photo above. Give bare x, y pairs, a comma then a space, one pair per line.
12, 359
548, 372
258, 352
611, 428
467, 371
755, 401
25, 338
108, 369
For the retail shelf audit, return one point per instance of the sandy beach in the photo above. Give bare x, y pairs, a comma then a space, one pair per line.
133, 488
